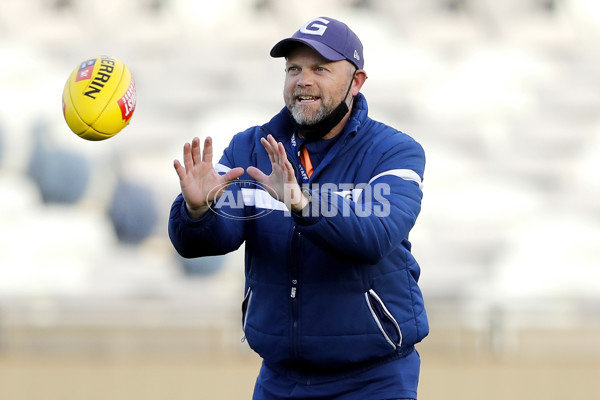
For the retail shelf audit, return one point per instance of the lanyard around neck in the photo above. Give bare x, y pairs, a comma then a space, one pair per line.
303, 171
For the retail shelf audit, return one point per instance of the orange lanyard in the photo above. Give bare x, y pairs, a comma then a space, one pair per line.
305, 160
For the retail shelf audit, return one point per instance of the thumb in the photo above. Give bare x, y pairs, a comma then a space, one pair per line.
233, 174
257, 174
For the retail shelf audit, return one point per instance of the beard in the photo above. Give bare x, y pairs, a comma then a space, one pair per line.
315, 124
304, 115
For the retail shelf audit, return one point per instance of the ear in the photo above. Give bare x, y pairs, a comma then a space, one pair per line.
359, 79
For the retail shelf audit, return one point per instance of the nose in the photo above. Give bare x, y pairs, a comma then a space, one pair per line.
305, 78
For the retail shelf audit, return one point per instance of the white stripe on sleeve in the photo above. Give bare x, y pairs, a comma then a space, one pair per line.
406, 174
222, 168
261, 199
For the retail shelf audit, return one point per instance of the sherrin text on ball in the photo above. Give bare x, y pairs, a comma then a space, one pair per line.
99, 98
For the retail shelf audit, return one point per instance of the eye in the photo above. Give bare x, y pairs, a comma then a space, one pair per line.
292, 69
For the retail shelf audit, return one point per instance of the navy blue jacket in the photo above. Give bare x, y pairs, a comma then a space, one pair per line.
332, 289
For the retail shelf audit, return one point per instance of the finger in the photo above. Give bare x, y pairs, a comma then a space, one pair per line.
291, 174
179, 169
187, 157
282, 155
274, 148
207, 153
196, 151
267, 147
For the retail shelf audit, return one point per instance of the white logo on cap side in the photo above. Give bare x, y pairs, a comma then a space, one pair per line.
356, 56
312, 28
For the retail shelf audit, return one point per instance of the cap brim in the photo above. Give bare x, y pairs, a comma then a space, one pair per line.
282, 49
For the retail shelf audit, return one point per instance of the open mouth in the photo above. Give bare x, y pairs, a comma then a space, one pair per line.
307, 99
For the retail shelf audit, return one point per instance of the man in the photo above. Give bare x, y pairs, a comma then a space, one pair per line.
324, 198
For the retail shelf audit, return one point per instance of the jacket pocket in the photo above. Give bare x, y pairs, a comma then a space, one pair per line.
246, 308
384, 319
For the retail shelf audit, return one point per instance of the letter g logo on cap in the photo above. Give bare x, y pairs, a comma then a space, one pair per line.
313, 28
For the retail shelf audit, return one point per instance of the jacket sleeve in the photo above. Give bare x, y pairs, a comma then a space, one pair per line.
379, 215
211, 234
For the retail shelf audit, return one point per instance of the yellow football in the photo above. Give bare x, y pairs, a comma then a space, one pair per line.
99, 98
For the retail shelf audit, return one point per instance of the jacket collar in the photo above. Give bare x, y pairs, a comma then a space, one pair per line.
282, 127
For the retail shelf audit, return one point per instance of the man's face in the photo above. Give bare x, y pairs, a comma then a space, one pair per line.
314, 87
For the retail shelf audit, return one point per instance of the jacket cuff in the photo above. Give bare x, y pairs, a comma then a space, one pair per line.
310, 214
207, 216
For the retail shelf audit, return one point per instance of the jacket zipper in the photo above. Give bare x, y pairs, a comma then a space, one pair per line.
247, 300
294, 242
370, 296
295, 340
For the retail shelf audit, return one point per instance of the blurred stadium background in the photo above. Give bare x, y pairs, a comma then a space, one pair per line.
504, 96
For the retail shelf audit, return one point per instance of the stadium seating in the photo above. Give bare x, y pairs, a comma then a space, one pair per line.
502, 95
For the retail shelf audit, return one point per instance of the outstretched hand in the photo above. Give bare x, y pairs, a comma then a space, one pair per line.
281, 183
200, 184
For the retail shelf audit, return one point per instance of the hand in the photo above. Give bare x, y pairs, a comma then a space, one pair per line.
281, 184
200, 184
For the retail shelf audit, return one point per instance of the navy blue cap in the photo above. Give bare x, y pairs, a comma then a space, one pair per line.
330, 38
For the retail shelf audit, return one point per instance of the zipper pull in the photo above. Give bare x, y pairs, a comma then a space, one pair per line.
293, 294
